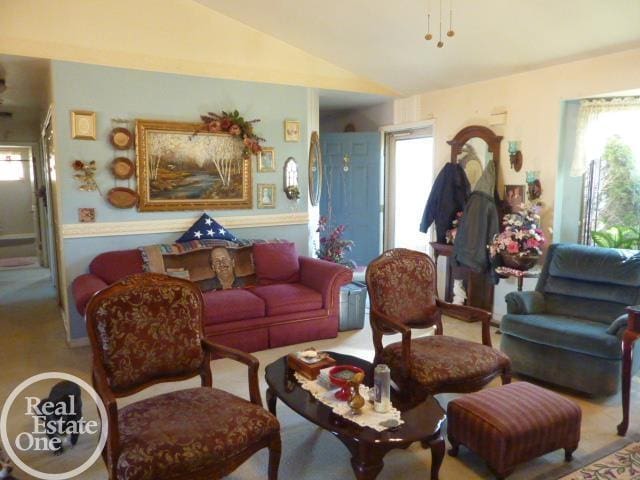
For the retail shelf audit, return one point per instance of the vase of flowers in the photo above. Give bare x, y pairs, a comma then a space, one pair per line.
333, 247
521, 240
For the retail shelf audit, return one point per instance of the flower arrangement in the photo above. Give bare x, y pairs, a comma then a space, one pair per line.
333, 247
85, 173
450, 235
522, 235
234, 124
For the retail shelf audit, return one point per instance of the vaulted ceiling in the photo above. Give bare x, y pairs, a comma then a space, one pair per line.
384, 40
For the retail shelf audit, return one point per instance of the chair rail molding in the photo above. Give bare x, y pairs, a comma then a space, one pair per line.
144, 227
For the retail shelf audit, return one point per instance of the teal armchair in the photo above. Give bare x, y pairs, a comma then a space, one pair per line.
568, 331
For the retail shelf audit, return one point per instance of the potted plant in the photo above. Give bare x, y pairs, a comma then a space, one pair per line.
333, 247
521, 240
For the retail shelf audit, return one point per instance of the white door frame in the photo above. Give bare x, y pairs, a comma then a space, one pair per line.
387, 187
34, 151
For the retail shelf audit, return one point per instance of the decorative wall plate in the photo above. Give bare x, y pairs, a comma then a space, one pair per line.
122, 168
121, 197
121, 138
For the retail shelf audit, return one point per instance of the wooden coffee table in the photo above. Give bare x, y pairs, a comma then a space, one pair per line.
367, 446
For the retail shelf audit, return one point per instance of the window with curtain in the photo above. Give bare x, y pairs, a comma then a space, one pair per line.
11, 167
607, 154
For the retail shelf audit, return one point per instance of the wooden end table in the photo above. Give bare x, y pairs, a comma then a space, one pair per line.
367, 446
508, 273
631, 334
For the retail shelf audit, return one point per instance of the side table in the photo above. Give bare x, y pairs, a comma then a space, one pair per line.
520, 275
630, 336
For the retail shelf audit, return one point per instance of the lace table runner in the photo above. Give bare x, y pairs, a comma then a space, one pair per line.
324, 391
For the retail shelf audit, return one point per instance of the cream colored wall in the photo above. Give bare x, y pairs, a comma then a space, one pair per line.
534, 102
177, 36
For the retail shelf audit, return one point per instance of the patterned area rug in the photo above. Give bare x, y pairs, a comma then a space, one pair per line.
623, 464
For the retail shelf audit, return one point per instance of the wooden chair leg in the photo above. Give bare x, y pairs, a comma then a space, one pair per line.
568, 453
455, 446
275, 449
627, 361
506, 376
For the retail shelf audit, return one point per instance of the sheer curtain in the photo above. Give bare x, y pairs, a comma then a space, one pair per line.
598, 120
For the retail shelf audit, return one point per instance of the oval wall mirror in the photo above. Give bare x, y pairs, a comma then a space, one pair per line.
315, 169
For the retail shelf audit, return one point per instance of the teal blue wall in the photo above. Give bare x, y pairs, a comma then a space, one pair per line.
131, 94
568, 202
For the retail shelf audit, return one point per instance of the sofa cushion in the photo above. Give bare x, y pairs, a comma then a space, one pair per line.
595, 264
579, 307
288, 298
604, 292
276, 263
113, 266
564, 332
221, 306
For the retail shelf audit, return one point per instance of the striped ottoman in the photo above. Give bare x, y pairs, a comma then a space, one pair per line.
513, 423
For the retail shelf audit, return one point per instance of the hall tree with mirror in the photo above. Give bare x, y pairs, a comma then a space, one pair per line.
473, 166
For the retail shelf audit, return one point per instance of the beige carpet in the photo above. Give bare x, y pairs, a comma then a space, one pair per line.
34, 342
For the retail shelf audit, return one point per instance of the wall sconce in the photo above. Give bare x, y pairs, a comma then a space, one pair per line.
515, 155
290, 170
346, 162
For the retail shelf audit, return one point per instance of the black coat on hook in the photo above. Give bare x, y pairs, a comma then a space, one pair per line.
448, 196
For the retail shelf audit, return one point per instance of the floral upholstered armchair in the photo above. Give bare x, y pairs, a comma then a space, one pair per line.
402, 292
147, 329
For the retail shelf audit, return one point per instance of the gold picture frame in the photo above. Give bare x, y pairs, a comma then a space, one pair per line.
266, 195
83, 125
291, 131
266, 160
179, 169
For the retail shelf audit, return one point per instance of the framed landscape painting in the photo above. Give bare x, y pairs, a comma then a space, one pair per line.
178, 169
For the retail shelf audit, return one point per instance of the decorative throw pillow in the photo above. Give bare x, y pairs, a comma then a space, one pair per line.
276, 263
206, 228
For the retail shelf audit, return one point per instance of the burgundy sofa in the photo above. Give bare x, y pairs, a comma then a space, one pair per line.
299, 305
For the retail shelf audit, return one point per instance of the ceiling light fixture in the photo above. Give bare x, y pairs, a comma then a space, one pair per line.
450, 32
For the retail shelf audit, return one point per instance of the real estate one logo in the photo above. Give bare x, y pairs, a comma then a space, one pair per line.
54, 423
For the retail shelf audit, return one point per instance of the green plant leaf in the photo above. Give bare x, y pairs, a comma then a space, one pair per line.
602, 239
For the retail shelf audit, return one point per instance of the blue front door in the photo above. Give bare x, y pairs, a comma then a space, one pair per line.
351, 189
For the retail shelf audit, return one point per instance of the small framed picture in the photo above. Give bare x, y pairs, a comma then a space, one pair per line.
86, 215
83, 125
266, 195
291, 131
267, 160
514, 196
